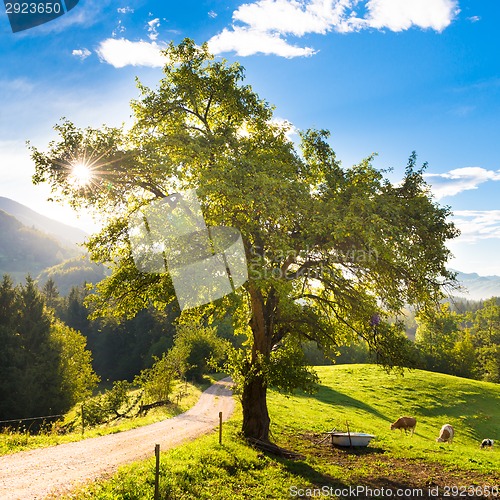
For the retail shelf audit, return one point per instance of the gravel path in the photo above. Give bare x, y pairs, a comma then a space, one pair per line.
35, 474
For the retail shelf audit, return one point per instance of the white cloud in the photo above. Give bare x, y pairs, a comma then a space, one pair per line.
212, 14
463, 110
273, 20
81, 53
477, 224
289, 128
120, 53
458, 180
399, 15
246, 42
269, 26
125, 10
291, 16
153, 26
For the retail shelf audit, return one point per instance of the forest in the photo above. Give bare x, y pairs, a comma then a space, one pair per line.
45, 367
462, 338
53, 354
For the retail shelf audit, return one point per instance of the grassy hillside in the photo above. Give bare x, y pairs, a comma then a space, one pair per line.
73, 272
369, 400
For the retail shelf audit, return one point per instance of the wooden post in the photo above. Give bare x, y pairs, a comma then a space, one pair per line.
220, 427
157, 472
83, 421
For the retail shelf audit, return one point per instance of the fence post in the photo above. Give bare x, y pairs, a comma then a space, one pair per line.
83, 421
220, 427
157, 472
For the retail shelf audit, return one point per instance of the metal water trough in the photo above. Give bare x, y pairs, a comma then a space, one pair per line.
351, 438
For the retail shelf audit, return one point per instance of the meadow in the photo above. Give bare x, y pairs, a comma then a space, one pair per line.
363, 397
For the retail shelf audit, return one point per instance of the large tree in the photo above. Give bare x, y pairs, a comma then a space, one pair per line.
333, 252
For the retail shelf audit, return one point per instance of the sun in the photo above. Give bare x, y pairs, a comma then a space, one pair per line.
81, 174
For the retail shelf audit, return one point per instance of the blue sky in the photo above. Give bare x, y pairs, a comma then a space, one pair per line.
384, 76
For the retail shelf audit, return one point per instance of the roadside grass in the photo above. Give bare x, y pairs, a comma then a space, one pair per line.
13, 440
202, 469
365, 397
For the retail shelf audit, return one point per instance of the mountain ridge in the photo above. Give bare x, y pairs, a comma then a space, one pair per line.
26, 250
65, 233
478, 287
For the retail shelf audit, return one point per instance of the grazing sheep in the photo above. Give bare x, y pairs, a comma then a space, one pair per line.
487, 443
446, 434
405, 423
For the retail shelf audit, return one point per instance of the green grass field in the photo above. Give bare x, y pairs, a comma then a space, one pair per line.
368, 399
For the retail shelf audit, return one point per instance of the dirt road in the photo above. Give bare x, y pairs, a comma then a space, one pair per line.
35, 474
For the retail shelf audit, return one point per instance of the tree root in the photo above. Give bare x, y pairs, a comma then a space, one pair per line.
274, 449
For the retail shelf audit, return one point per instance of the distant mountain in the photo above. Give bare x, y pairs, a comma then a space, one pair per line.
478, 287
25, 250
33, 244
67, 235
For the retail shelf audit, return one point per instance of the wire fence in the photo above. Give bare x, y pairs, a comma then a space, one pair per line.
19, 420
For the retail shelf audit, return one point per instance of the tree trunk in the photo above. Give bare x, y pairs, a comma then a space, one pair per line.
255, 415
254, 398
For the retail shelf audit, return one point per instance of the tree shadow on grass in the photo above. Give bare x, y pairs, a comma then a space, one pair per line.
311, 476
327, 395
318, 484
301, 469
359, 451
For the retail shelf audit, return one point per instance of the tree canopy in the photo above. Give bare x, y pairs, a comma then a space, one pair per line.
333, 253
